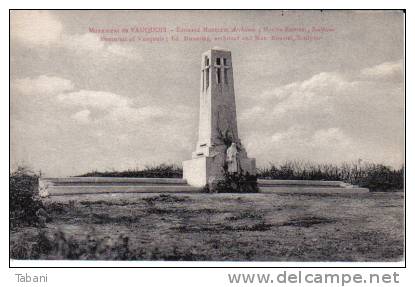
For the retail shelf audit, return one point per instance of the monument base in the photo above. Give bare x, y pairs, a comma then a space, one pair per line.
198, 171
96, 188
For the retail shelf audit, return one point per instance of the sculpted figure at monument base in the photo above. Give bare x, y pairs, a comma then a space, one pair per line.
232, 159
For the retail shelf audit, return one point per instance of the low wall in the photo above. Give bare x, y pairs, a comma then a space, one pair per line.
108, 185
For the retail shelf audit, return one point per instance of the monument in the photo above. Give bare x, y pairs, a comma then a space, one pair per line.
219, 152
219, 149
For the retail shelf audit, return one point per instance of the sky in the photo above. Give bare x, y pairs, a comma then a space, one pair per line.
80, 104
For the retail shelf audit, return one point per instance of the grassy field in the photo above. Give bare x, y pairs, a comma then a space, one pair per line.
237, 227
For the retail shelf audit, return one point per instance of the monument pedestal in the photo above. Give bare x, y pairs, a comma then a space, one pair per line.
198, 171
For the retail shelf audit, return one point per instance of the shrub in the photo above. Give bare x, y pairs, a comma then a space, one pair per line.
230, 183
382, 178
376, 177
162, 171
25, 209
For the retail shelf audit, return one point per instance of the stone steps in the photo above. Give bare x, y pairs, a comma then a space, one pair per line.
113, 180
72, 190
100, 185
292, 183
308, 189
109, 185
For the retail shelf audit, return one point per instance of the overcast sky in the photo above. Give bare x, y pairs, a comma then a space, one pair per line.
80, 104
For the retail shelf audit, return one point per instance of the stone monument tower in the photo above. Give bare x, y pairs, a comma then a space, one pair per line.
218, 131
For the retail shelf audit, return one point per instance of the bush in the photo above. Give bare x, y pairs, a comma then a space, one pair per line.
382, 178
25, 209
162, 171
233, 183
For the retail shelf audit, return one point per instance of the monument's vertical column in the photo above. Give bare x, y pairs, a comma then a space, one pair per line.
217, 121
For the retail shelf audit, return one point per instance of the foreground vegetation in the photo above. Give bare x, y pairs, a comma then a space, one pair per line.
376, 177
25, 207
230, 227
250, 226
162, 170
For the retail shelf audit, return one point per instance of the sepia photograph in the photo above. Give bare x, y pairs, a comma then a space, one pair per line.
207, 136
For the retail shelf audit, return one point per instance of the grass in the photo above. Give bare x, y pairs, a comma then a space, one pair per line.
220, 227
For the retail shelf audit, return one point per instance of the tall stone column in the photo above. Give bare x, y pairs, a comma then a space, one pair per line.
217, 122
